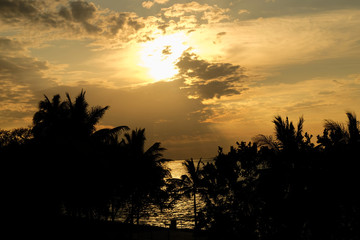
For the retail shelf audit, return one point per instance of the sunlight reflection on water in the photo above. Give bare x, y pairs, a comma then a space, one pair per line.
183, 210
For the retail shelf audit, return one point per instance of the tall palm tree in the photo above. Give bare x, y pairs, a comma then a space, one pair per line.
192, 183
286, 134
68, 129
48, 121
287, 137
146, 174
82, 120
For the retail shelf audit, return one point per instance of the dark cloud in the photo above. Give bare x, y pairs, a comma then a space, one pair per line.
82, 11
216, 89
72, 17
8, 45
10, 10
167, 50
191, 66
65, 13
24, 70
118, 22
208, 80
29, 13
19, 69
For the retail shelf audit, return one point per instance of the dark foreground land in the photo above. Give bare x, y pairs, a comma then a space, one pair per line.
68, 228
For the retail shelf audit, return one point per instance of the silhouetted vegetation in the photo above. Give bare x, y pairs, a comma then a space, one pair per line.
277, 187
285, 187
63, 166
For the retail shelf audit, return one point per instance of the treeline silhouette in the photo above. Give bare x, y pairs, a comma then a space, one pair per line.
285, 187
62, 166
276, 187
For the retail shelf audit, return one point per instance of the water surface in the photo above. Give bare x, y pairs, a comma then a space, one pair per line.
183, 210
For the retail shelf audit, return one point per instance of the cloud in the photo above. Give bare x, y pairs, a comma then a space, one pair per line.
212, 14
11, 10
62, 19
215, 89
17, 67
269, 42
161, 1
30, 12
10, 46
208, 80
147, 4
167, 50
20, 76
242, 11
69, 20
82, 11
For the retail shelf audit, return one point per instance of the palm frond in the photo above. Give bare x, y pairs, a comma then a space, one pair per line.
353, 127
95, 114
266, 141
334, 127
300, 125
108, 134
337, 131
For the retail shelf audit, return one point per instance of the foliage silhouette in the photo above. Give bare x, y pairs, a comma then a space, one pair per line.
146, 179
191, 184
64, 166
279, 187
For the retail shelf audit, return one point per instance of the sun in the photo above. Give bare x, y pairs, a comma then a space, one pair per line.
160, 55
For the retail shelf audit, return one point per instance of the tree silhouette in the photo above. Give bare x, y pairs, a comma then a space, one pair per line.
280, 187
16, 136
67, 121
83, 120
191, 183
336, 134
146, 173
49, 120
66, 131
287, 137
340, 148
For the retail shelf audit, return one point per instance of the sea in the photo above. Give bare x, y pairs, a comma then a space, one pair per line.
183, 211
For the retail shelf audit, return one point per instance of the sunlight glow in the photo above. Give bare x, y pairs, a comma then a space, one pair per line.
160, 55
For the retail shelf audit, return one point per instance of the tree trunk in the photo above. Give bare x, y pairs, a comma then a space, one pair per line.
112, 211
138, 217
195, 217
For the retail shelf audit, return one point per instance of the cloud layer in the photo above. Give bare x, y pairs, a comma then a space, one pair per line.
206, 80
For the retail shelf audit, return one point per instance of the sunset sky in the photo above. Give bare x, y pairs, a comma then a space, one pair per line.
195, 74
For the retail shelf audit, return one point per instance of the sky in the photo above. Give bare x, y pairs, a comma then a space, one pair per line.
195, 74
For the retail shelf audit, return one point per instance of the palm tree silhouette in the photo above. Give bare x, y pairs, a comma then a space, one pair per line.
49, 119
66, 131
191, 183
67, 121
109, 136
147, 174
287, 137
339, 134
83, 120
